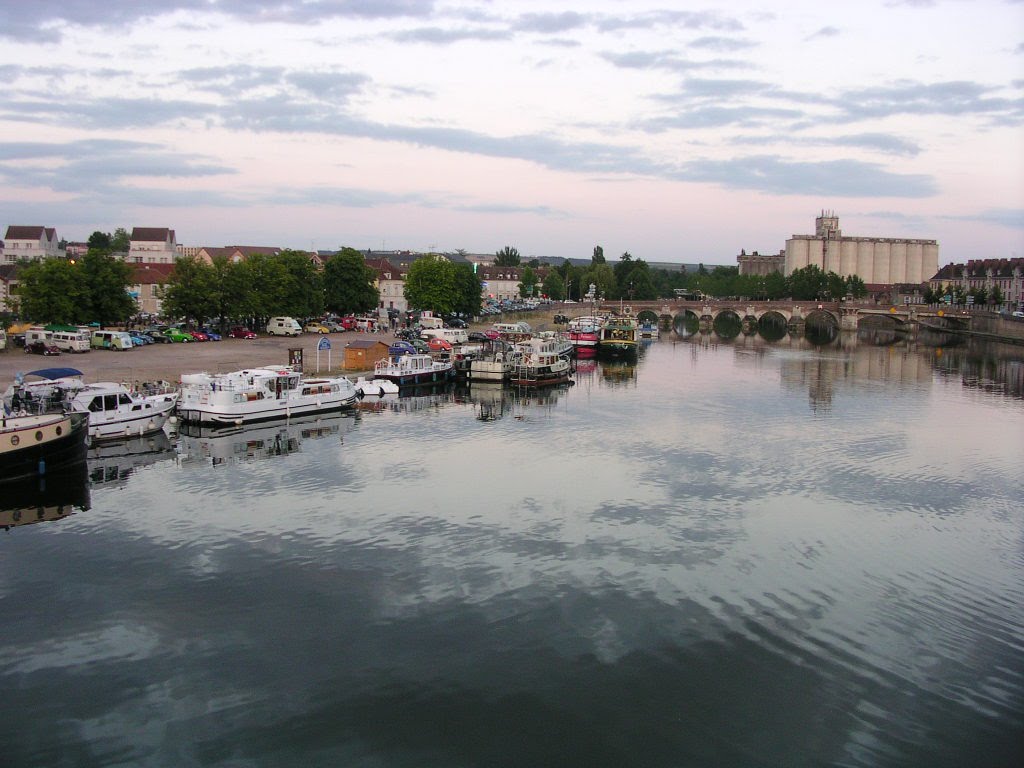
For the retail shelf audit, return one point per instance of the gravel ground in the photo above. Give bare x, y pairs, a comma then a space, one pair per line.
166, 362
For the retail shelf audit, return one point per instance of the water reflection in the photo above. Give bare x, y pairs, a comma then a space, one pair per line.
218, 446
44, 499
113, 462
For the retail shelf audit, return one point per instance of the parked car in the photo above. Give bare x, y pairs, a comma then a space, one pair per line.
316, 328
158, 337
211, 334
421, 346
198, 335
178, 335
240, 332
333, 327
140, 339
40, 348
348, 322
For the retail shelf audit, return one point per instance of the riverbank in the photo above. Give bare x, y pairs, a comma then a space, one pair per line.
166, 362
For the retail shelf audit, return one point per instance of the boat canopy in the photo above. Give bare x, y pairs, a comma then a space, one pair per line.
55, 373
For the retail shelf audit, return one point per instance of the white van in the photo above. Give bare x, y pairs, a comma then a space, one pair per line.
69, 339
451, 335
35, 334
284, 326
428, 320
111, 340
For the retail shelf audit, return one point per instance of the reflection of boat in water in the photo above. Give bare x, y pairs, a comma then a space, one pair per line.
42, 499
114, 461
618, 372
224, 445
490, 398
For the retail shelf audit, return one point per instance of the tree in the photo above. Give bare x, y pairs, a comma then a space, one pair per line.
430, 284
301, 293
553, 286
348, 283
106, 283
836, 286
533, 263
603, 279
99, 241
598, 256
855, 286
468, 290
996, 298
506, 257
527, 282
121, 242
807, 283
52, 290
190, 291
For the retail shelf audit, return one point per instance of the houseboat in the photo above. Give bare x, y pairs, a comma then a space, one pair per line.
619, 336
115, 411
408, 370
40, 444
260, 394
538, 363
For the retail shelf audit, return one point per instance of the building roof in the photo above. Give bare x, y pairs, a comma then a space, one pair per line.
364, 344
28, 233
150, 274
152, 234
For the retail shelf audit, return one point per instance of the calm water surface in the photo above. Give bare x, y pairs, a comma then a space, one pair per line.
728, 554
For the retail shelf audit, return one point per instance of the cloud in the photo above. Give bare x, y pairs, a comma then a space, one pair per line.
678, 19
551, 23
724, 44
1004, 217
837, 178
907, 97
40, 19
667, 60
823, 33
439, 36
879, 142
98, 164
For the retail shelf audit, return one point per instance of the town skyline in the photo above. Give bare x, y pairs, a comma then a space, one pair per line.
681, 136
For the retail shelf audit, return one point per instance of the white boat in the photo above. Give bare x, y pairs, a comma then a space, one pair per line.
563, 344
375, 387
538, 363
115, 411
408, 370
260, 394
42, 391
649, 330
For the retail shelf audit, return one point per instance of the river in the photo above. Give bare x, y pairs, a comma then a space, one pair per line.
730, 553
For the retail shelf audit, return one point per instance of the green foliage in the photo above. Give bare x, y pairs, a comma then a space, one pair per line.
468, 290
602, 276
553, 286
808, 283
855, 287
190, 291
996, 296
528, 282
106, 283
52, 290
348, 283
99, 241
507, 257
598, 256
121, 241
430, 284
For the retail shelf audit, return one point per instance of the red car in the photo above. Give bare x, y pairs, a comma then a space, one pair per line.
198, 335
348, 322
238, 332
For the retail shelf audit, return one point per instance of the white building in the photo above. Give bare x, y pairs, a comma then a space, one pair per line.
152, 245
31, 243
875, 260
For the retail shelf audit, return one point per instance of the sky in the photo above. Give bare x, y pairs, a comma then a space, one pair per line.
677, 132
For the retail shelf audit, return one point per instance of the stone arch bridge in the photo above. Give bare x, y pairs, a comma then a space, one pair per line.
843, 315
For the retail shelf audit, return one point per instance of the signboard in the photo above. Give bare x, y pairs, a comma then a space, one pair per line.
323, 344
970, 300
295, 358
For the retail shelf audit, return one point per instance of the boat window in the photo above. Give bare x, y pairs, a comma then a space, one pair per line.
123, 399
110, 402
96, 405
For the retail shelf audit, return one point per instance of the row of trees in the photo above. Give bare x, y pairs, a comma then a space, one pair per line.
73, 292
632, 278
265, 285
958, 295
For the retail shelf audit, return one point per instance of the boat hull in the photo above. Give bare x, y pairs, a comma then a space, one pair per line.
416, 379
33, 446
261, 410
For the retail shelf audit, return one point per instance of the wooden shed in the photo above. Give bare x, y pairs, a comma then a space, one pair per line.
362, 354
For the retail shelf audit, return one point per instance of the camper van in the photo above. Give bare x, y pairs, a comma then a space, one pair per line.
111, 340
429, 320
451, 335
68, 338
284, 326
